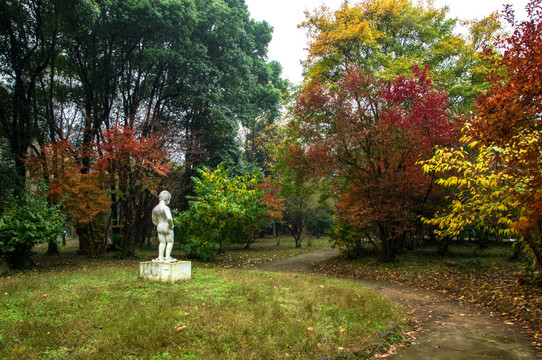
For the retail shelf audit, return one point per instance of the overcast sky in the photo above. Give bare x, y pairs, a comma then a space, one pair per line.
289, 42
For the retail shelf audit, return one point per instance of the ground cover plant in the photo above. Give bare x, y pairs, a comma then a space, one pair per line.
101, 309
486, 278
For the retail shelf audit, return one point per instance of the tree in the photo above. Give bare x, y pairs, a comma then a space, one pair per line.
364, 118
133, 167
28, 39
367, 135
8, 174
225, 210
305, 201
227, 85
124, 164
501, 181
27, 221
272, 200
194, 70
388, 37
80, 196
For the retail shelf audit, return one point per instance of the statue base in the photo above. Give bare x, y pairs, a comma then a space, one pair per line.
165, 271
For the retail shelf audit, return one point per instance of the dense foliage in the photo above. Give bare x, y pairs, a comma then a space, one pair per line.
129, 85
133, 167
384, 83
386, 38
24, 223
497, 172
225, 210
368, 135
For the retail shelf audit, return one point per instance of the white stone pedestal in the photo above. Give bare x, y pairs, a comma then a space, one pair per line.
165, 272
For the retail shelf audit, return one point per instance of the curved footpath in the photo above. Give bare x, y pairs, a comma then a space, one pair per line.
451, 331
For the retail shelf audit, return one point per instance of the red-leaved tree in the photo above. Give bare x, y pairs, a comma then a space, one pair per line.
133, 168
82, 196
368, 135
509, 117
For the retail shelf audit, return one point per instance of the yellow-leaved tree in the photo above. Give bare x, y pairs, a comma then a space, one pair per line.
486, 195
498, 173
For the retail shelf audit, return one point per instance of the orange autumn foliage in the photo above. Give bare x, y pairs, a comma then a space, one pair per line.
81, 195
510, 117
271, 199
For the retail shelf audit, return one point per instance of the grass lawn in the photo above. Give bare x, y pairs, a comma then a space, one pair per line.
266, 250
71, 307
485, 278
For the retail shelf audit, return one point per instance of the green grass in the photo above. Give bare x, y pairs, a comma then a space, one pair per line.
460, 256
262, 251
266, 250
102, 310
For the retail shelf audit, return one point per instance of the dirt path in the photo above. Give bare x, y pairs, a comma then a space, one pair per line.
450, 331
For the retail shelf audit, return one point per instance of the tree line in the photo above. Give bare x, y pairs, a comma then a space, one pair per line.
405, 128
423, 132
118, 87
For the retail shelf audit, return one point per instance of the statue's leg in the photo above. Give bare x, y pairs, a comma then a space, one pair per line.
169, 246
161, 247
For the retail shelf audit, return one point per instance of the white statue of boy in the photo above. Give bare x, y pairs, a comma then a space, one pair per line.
162, 219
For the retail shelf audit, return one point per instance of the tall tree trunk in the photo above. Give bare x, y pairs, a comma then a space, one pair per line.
52, 247
83, 235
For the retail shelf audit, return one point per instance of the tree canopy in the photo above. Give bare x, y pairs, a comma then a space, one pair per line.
386, 38
497, 172
402, 125
179, 77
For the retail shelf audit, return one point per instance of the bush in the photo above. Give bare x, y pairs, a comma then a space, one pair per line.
224, 211
25, 223
348, 239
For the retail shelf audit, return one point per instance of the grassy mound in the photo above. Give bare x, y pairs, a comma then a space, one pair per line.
103, 311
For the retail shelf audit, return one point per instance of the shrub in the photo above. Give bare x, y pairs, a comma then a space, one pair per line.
24, 223
347, 238
224, 211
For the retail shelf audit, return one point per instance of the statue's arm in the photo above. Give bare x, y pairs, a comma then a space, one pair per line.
169, 218
154, 218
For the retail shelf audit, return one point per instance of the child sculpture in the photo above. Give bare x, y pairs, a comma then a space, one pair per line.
162, 219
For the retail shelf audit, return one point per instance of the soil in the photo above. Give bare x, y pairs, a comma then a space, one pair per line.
446, 330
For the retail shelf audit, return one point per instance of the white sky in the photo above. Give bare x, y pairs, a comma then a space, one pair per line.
289, 42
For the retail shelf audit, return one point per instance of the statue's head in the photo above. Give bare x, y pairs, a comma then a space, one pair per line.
165, 196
